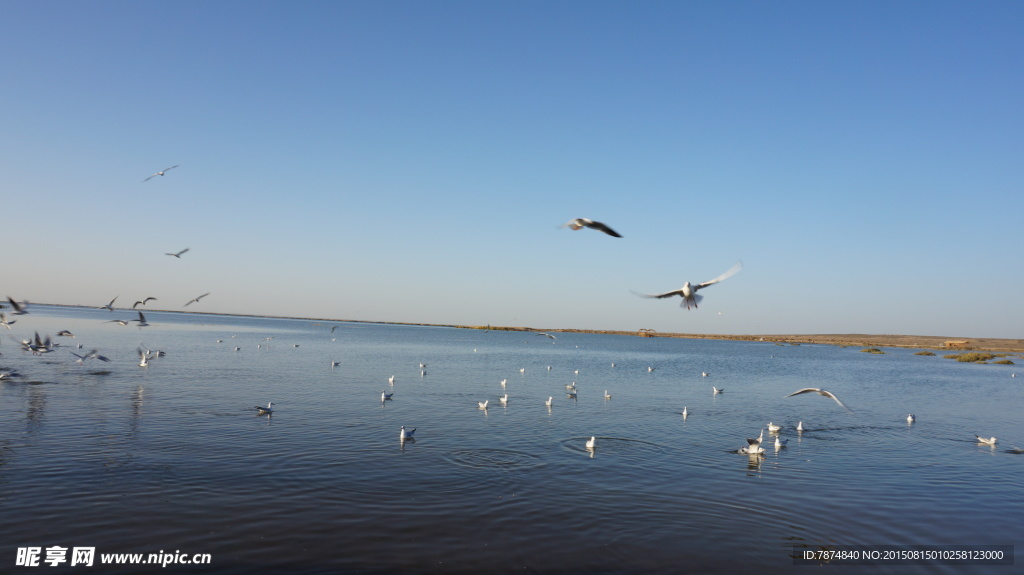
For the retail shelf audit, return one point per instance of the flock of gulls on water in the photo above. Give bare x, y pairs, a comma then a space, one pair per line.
688, 292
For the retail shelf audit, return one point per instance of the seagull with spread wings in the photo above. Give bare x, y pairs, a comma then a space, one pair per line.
196, 299
161, 172
820, 392
689, 291
580, 223
177, 255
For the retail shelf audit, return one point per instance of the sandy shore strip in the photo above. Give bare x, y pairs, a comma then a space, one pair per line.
949, 343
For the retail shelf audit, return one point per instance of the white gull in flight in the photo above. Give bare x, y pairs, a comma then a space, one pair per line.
689, 291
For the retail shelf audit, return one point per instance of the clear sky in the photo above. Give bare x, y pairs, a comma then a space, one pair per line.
413, 161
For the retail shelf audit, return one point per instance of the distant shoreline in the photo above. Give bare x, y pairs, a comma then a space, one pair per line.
866, 340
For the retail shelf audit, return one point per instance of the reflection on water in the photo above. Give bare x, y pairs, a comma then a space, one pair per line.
173, 456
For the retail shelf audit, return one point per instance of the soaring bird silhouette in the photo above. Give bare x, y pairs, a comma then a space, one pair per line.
161, 172
580, 223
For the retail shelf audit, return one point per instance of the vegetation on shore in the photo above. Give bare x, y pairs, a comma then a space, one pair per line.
979, 357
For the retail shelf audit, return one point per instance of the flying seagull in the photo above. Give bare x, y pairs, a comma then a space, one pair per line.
820, 392
689, 291
177, 255
580, 223
141, 320
19, 309
92, 354
142, 302
109, 306
196, 299
161, 172
5, 322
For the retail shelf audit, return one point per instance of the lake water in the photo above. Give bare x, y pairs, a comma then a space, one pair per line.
173, 458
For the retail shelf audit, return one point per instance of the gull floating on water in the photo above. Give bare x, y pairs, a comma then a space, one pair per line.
715, 390
911, 418
269, 409
592, 442
800, 427
703, 374
774, 428
403, 434
391, 380
753, 446
196, 299
503, 399
689, 291
549, 401
384, 396
177, 255
580, 223
483, 404
820, 392
161, 172
986, 441
607, 395
685, 413
780, 443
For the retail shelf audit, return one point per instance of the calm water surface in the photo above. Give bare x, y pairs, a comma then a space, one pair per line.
172, 457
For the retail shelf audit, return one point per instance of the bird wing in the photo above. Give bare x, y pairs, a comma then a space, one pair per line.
833, 396
659, 295
728, 274
603, 228
804, 390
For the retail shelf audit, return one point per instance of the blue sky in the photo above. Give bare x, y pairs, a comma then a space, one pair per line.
412, 161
